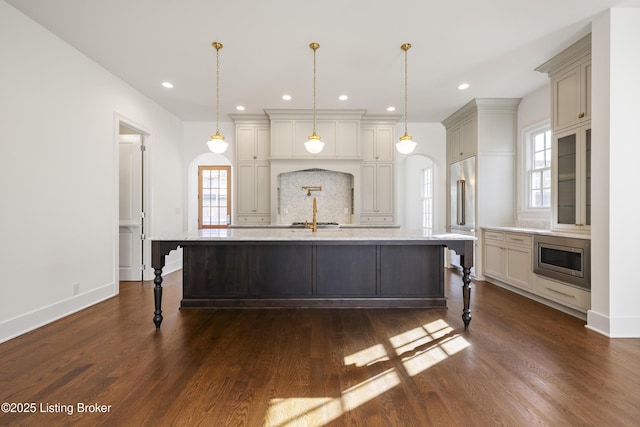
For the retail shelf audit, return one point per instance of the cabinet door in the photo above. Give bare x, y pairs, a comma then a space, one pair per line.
463, 139
368, 188
262, 189
262, 143
572, 178
585, 90
494, 260
245, 192
455, 143
518, 267
384, 190
245, 143
384, 144
572, 96
469, 137
368, 141
566, 91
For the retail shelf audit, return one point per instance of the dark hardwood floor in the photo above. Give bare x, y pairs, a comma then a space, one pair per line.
520, 363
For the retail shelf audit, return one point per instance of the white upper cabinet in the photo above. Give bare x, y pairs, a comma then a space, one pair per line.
570, 74
572, 179
462, 139
377, 143
252, 143
572, 95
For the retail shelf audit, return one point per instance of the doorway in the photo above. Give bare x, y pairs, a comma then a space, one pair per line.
131, 204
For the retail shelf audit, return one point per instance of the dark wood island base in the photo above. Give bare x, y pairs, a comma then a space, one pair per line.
312, 272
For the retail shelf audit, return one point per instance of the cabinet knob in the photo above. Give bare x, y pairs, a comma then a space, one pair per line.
255, 157
581, 115
461, 153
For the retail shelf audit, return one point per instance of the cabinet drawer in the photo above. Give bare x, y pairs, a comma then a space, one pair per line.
564, 294
496, 236
519, 239
254, 219
376, 219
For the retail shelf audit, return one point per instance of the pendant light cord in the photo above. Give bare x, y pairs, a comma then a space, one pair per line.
314, 90
405, 90
218, 88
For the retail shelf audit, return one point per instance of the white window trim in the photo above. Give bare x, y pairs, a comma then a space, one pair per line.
432, 198
524, 159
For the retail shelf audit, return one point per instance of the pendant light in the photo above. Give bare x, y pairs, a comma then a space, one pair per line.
406, 144
217, 143
314, 145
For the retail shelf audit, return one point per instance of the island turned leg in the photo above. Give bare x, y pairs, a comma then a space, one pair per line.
157, 296
466, 294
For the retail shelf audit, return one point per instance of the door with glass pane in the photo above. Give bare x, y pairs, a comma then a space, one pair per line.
572, 181
214, 195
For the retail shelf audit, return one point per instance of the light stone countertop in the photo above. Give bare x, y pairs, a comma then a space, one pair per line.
540, 231
301, 234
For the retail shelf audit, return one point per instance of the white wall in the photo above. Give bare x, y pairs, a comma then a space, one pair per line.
615, 152
59, 171
431, 139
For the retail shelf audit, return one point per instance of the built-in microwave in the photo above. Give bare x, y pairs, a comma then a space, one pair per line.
565, 259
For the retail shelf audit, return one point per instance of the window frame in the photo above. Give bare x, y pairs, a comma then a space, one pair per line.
202, 168
532, 169
526, 161
425, 199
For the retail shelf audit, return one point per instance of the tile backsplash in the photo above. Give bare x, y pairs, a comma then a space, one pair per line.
334, 202
532, 223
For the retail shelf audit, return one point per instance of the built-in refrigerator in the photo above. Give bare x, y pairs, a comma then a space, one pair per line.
462, 201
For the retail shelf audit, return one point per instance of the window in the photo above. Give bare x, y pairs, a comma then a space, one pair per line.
214, 193
539, 167
427, 198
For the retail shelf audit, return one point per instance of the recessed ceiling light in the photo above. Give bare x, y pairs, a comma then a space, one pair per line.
240, 108
463, 86
391, 108
343, 97
168, 85
286, 97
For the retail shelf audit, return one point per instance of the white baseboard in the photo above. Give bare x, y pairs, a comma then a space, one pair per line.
568, 310
598, 322
614, 327
172, 266
24, 323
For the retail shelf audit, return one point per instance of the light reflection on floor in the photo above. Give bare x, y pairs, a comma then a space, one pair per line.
418, 349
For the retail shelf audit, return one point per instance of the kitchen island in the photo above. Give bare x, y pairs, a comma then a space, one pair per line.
293, 267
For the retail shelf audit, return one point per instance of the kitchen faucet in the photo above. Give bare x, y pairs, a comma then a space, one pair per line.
314, 225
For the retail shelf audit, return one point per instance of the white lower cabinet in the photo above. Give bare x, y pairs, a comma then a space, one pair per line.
253, 202
567, 295
507, 257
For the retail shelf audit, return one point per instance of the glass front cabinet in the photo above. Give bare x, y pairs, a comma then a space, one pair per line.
572, 179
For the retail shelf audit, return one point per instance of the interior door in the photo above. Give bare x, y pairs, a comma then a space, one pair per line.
131, 212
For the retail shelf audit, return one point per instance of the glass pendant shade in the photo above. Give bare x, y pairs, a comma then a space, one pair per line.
406, 144
314, 145
217, 143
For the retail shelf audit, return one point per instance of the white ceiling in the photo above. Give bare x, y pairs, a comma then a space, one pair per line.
494, 45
